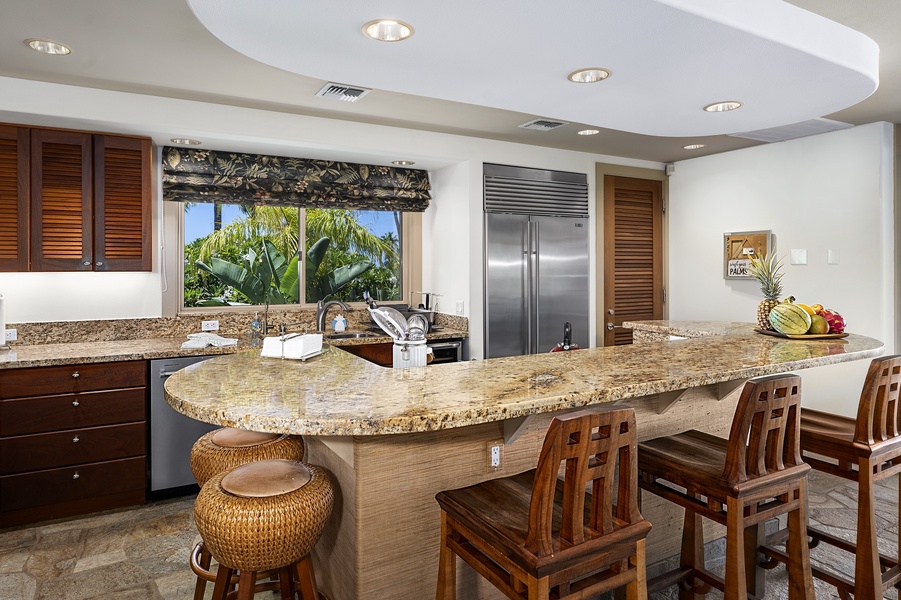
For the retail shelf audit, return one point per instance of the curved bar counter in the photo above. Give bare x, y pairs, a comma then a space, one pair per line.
392, 438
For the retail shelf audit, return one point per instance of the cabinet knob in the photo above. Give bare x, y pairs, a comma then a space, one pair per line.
86, 263
75, 403
99, 263
76, 475
75, 440
76, 375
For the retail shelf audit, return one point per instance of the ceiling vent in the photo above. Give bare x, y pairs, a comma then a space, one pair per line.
796, 130
339, 91
543, 125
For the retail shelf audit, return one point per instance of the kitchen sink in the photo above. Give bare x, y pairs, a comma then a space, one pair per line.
350, 336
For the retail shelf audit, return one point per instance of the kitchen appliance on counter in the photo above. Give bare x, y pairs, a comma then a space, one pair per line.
536, 259
172, 434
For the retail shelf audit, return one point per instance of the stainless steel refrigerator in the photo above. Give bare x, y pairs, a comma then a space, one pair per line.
536, 259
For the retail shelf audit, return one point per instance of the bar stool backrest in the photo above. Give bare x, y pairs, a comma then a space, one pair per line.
765, 435
878, 411
591, 444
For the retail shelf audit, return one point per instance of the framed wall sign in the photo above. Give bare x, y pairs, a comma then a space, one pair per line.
740, 246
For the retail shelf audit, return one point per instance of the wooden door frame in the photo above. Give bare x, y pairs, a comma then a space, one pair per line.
602, 170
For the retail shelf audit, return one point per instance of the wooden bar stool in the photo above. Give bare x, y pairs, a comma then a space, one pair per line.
532, 535
264, 516
755, 475
224, 449
866, 450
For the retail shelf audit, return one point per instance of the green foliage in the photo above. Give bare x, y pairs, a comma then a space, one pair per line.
267, 277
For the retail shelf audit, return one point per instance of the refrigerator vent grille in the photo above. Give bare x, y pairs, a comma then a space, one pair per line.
533, 197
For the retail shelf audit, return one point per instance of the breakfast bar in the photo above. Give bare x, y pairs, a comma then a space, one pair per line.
393, 438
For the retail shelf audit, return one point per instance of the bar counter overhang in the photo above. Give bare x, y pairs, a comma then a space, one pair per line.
393, 438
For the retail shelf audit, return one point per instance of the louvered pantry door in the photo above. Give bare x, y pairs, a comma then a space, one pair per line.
61, 201
633, 254
14, 160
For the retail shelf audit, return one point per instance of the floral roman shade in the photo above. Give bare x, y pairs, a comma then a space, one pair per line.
191, 175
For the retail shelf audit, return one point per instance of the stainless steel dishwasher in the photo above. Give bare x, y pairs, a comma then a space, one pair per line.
171, 434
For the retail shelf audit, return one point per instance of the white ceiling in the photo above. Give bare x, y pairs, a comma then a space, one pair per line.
160, 48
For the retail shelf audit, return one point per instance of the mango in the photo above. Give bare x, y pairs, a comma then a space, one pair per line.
818, 325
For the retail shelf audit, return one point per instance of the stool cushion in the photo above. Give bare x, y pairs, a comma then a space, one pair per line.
266, 478
239, 438
261, 534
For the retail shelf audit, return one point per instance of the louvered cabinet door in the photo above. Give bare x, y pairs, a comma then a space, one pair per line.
122, 204
14, 161
61, 201
633, 254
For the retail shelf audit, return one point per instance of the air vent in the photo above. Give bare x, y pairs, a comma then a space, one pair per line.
796, 130
543, 125
339, 91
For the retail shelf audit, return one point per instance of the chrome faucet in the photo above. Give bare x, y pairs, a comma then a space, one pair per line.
321, 309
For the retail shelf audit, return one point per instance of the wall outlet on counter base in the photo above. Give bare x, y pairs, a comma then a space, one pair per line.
209, 325
495, 454
11, 335
459, 307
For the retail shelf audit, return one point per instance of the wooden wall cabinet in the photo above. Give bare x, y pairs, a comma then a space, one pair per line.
82, 201
73, 440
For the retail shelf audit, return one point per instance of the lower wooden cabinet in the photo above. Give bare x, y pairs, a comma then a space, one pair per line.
73, 440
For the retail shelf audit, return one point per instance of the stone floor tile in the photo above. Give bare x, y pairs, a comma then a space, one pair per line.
17, 586
96, 583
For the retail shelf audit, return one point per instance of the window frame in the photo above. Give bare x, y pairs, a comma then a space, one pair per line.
173, 262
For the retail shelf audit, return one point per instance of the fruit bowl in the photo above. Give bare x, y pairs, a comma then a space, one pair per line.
802, 336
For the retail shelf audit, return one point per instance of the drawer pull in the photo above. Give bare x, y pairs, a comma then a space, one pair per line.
76, 476
76, 375
75, 440
75, 403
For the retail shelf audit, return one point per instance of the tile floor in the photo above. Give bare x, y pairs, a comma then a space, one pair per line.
142, 553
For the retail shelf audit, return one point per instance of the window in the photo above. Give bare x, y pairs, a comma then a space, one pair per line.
248, 254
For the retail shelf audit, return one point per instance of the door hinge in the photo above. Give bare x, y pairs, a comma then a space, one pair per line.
664, 294
663, 203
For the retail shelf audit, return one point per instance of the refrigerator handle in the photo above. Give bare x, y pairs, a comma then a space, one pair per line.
533, 287
526, 287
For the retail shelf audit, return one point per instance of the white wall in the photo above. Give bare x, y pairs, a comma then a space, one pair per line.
453, 236
831, 191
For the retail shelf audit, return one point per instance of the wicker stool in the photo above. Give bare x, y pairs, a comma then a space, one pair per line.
224, 449
264, 516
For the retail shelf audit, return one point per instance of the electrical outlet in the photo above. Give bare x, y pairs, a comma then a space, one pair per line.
459, 307
209, 325
495, 455
11, 335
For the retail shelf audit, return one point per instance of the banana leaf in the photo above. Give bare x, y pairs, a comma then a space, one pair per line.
342, 276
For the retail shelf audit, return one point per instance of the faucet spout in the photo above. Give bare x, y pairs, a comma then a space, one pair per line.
322, 308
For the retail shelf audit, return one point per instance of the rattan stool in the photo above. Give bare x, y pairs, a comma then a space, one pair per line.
224, 449
264, 516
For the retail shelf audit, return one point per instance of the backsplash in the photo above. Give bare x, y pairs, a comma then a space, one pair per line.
231, 323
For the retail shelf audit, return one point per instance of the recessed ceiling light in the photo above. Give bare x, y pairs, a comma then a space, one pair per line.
694, 146
48, 47
589, 132
722, 106
185, 141
403, 163
591, 75
387, 30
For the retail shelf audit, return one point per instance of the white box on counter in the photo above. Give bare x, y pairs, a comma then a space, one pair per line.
293, 345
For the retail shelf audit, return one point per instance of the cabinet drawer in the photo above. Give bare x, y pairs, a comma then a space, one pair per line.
72, 379
71, 447
72, 483
21, 416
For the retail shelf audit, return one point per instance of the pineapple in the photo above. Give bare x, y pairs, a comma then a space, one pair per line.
766, 271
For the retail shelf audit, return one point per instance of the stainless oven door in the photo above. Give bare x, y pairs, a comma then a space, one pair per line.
446, 351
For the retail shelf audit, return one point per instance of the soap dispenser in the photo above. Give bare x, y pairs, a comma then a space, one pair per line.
339, 324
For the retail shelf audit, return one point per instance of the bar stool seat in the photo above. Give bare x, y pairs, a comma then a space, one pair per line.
866, 450
224, 449
264, 516
754, 475
534, 536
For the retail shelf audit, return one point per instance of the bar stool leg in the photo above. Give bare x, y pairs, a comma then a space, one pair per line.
692, 552
736, 584
246, 582
800, 578
755, 537
447, 567
205, 560
286, 582
307, 579
638, 589
867, 571
223, 580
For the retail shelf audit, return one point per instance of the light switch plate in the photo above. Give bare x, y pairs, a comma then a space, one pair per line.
11, 335
831, 257
459, 307
799, 257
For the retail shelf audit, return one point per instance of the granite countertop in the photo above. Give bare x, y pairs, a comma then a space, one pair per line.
43, 355
692, 329
340, 394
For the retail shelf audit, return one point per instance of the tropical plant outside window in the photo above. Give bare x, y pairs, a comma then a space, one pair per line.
248, 254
